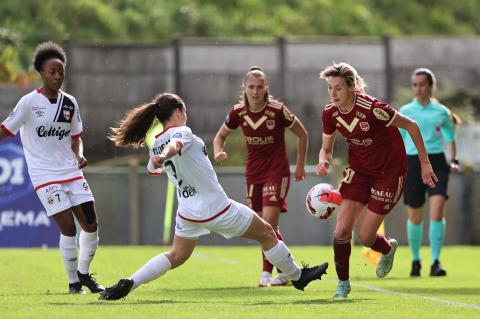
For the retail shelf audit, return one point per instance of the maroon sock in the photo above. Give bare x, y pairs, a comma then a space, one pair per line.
279, 237
267, 266
381, 244
342, 249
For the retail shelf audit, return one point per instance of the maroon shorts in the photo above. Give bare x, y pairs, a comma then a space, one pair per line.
379, 194
270, 193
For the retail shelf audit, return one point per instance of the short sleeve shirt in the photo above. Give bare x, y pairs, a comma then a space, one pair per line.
435, 122
264, 134
200, 195
46, 129
375, 147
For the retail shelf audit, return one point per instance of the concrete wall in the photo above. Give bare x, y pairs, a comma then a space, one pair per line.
111, 189
108, 79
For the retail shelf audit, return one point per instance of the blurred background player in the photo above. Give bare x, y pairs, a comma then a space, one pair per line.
377, 166
203, 205
437, 125
263, 120
50, 128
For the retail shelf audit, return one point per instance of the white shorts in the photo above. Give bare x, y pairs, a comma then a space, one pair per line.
233, 223
59, 197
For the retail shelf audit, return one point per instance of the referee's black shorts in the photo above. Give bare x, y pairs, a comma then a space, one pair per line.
415, 190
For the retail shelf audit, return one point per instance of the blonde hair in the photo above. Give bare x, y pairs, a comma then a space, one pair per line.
346, 71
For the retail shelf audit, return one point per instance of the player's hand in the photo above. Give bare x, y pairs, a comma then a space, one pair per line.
82, 162
299, 173
428, 176
158, 160
220, 156
322, 168
454, 166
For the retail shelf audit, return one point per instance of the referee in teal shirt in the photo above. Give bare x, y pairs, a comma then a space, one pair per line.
437, 125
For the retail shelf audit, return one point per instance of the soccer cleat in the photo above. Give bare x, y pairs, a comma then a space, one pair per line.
265, 279
309, 274
76, 288
385, 263
117, 291
343, 289
281, 280
88, 281
416, 266
436, 270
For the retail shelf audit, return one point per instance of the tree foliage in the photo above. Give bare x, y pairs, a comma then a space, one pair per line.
34, 21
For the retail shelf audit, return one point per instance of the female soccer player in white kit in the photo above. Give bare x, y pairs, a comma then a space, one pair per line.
50, 128
203, 206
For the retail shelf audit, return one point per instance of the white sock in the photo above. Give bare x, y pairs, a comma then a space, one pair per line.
281, 258
68, 249
154, 268
88, 245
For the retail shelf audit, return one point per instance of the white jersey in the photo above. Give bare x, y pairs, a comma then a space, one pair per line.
46, 129
200, 195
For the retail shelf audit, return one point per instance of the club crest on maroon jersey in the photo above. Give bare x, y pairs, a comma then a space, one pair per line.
364, 126
270, 124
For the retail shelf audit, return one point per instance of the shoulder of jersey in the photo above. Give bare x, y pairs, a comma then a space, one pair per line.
329, 107
442, 107
239, 106
275, 104
365, 101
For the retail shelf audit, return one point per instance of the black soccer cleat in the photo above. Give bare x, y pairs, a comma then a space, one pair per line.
118, 291
76, 288
416, 266
309, 274
436, 270
88, 281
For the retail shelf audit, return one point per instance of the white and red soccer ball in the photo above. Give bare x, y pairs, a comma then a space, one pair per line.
323, 201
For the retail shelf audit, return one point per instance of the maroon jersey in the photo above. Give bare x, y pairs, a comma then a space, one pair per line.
376, 148
264, 133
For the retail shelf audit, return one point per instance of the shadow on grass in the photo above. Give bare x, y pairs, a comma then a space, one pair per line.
436, 291
327, 301
116, 303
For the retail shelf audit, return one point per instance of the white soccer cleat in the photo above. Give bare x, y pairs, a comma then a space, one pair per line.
385, 263
281, 280
265, 279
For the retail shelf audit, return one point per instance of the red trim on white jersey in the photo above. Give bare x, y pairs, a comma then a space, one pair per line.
6, 130
208, 219
166, 129
153, 174
77, 135
60, 182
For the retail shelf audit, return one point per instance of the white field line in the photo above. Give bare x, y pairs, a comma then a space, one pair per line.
405, 294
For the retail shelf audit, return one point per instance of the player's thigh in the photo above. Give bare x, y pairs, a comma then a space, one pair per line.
347, 217
65, 222
254, 197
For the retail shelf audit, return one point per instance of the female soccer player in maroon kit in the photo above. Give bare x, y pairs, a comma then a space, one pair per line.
263, 120
377, 166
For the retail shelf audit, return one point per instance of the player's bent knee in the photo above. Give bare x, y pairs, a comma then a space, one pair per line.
366, 239
342, 234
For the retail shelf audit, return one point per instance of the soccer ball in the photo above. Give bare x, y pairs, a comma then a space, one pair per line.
323, 201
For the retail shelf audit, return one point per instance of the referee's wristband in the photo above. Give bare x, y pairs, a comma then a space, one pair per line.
454, 161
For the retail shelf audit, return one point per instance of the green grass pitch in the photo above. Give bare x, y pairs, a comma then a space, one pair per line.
220, 282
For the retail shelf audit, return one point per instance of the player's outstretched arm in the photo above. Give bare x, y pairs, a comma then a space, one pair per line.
172, 149
428, 176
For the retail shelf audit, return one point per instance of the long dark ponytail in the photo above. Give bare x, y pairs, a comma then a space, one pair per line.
134, 126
